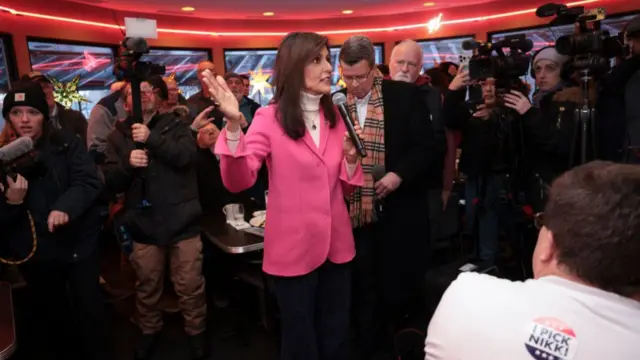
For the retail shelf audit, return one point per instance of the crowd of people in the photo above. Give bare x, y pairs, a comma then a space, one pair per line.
346, 246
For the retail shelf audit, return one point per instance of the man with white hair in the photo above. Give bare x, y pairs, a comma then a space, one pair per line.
406, 65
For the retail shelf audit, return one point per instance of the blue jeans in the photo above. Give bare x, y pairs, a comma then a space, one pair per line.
487, 198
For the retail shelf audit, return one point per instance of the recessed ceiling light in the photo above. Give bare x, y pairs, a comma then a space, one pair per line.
347, 12
428, 4
268, 13
188, 8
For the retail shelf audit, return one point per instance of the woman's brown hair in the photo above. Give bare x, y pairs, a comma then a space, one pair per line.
7, 135
296, 51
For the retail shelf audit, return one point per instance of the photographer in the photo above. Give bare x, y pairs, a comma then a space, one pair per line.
489, 147
49, 208
161, 213
618, 105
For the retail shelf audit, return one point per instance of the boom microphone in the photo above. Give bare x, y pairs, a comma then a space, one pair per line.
549, 9
340, 100
472, 44
15, 150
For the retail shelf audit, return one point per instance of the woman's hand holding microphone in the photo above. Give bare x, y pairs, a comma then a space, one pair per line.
350, 150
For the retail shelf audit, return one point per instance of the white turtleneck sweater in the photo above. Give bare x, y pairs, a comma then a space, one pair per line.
310, 113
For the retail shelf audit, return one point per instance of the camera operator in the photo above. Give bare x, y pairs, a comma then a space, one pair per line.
549, 123
618, 104
161, 213
488, 151
48, 211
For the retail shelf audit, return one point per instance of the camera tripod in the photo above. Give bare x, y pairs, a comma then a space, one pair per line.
585, 118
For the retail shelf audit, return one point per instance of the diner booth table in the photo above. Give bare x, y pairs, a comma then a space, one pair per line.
245, 251
228, 239
7, 323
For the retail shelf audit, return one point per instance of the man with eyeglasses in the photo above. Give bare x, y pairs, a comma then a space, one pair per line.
161, 212
584, 302
390, 251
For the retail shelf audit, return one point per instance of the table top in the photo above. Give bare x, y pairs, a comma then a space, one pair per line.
7, 324
227, 238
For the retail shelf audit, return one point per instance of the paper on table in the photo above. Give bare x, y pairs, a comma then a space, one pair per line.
239, 224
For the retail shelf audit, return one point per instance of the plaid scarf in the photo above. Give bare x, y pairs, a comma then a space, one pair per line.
361, 201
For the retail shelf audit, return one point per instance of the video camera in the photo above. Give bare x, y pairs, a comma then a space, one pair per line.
505, 68
591, 48
129, 66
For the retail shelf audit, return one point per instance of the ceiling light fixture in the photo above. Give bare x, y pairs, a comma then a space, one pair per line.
428, 4
268, 13
347, 12
434, 24
188, 8
280, 33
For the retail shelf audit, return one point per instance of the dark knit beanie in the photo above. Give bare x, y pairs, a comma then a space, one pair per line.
25, 93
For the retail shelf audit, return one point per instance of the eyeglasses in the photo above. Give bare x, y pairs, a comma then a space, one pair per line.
360, 78
538, 220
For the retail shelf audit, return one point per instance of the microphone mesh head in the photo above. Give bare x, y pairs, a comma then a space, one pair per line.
15, 149
378, 172
339, 98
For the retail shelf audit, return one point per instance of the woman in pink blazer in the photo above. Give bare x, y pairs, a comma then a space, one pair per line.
312, 166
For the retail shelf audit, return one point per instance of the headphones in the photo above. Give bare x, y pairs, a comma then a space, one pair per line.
565, 69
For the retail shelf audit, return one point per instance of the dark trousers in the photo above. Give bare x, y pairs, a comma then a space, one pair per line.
314, 313
66, 316
494, 211
366, 289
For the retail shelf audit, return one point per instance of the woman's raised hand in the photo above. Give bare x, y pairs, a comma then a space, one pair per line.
224, 99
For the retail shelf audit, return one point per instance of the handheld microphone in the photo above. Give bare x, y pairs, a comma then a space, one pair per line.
340, 100
377, 172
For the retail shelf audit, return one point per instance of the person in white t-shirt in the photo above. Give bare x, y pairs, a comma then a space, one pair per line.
584, 303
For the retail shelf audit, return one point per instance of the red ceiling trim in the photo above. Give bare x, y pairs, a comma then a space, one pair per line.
271, 33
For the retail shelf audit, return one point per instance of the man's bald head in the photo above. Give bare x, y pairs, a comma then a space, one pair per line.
205, 65
406, 61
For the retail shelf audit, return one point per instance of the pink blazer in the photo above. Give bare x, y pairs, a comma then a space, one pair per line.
307, 219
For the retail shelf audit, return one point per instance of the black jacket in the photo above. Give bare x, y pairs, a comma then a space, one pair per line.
552, 136
410, 153
73, 121
168, 183
488, 146
253, 106
64, 178
618, 110
433, 98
